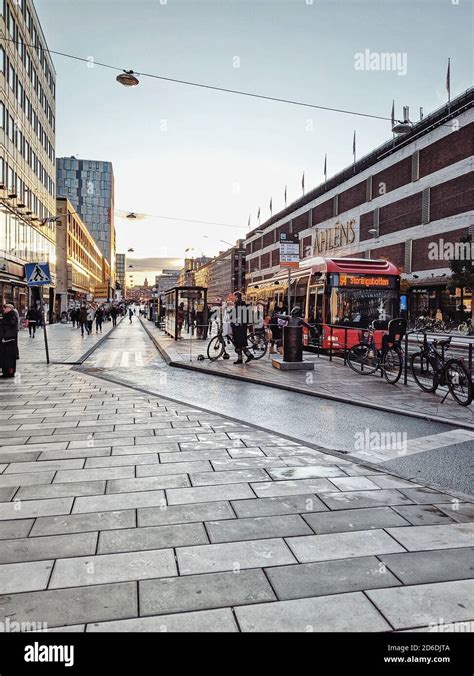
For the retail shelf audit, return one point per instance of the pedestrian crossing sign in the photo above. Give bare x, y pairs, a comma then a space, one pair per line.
37, 274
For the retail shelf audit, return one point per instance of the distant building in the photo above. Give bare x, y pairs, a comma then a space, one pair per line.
188, 272
89, 186
224, 274
80, 269
120, 273
140, 294
166, 280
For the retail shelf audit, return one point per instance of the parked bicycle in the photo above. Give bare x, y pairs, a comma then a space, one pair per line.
466, 328
365, 358
430, 369
257, 343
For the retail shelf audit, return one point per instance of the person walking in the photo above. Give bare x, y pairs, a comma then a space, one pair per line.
90, 319
99, 319
113, 314
239, 327
32, 317
83, 318
8, 341
276, 327
180, 319
130, 314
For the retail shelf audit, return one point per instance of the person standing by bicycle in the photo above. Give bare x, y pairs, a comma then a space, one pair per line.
239, 328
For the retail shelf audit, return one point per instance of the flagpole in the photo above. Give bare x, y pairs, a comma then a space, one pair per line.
448, 84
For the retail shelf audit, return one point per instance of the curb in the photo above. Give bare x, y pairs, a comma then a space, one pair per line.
87, 354
331, 397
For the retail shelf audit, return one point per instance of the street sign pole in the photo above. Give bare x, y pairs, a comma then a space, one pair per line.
44, 327
289, 291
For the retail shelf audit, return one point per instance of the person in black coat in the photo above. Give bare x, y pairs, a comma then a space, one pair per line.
239, 327
32, 317
8, 344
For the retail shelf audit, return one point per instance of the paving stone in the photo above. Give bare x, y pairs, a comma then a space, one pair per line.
459, 511
426, 604
255, 528
358, 499
7, 492
358, 470
142, 449
71, 606
418, 538
330, 577
238, 476
273, 489
293, 504
157, 516
152, 537
149, 483
18, 457
24, 577
354, 520
354, 483
422, 515
233, 556
15, 529
48, 547
107, 568
308, 472
118, 501
302, 460
205, 621
319, 614
75, 453
425, 495
25, 509
122, 460
26, 479
211, 445
173, 468
387, 481
342, 545
107, 473
246, 453
110, 441
221, 465
191, 456
78, 523
47, 466
202, 592
432, 566
180, 496
71, 489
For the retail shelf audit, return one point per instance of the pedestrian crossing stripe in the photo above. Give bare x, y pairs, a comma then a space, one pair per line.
37, 274
119, 359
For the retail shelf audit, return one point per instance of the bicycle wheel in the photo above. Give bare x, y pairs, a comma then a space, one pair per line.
463, 328
459, 381
363, 359
215, 348
393, 365
424, 372
257, 344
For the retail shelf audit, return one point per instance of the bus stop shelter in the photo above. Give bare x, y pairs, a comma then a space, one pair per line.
186, 312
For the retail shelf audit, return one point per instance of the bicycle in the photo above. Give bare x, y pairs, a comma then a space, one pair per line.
365, 358
257, 343
466, 328
430, 369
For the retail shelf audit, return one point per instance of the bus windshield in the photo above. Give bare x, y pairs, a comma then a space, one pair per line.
359, 307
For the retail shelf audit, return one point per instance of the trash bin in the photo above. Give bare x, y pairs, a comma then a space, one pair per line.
293, 343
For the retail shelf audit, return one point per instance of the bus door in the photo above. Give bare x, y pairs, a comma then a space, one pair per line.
316, 297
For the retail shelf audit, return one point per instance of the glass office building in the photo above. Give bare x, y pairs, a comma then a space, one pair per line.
89, 186
27, 143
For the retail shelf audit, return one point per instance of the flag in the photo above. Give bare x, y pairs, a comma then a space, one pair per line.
302, 182
393, 113
249, 222
271, 206
448, 80
354, 146
258, 215
325, 167
285, 195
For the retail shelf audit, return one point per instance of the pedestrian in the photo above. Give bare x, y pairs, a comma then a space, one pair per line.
83, 318
130, 314
113, 314
32, 318
239, 327
8, 341
99, 318
90, 319
180, 319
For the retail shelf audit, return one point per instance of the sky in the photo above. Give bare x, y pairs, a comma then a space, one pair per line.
192, 153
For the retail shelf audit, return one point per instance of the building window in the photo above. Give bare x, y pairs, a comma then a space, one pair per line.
2, 58
408, 255
415, 166
425, 206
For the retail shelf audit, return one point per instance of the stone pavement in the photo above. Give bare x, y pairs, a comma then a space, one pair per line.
330, 379
124, 511
66, 345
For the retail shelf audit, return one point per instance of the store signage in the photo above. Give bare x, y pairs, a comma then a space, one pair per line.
289, 250
357, 280
340, 234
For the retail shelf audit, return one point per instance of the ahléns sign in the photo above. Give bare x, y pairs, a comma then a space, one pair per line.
341, 234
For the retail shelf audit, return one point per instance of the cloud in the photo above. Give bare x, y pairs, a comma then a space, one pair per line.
153, 264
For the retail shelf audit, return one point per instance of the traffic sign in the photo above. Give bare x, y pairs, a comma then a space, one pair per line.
289, 250
37, 274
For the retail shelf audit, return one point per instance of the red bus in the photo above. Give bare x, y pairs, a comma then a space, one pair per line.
341, 295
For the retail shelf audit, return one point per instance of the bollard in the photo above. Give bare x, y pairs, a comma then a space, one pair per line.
292, 343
